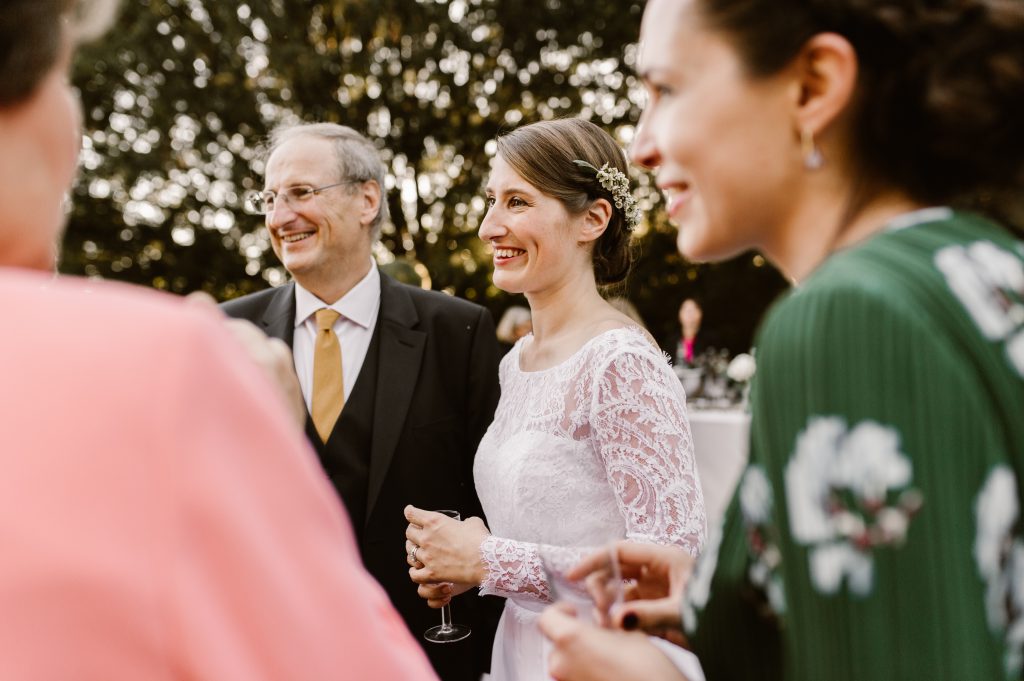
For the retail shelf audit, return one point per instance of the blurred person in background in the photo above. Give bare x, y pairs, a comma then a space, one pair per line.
692, 338
514, 324
161, 515
876, 533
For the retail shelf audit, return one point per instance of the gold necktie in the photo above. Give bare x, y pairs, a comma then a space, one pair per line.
328, 382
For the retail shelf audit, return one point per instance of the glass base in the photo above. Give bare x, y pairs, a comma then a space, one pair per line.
447, 633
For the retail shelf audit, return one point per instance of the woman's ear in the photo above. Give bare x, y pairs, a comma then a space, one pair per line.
825, 81
595, 220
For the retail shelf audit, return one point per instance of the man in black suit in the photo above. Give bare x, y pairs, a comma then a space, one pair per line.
417, 381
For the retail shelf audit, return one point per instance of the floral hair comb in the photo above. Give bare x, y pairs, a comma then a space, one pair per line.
616, 182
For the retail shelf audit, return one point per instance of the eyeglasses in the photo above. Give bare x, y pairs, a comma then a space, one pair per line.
263, 203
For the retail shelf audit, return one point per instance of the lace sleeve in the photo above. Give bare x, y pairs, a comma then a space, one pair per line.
643, 436
515, 570
637, 423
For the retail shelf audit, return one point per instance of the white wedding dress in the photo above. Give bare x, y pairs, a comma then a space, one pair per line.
594, 449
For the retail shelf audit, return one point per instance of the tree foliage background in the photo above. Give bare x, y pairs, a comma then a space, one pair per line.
179, 95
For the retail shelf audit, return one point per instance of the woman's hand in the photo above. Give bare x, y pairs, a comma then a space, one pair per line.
440, 595
659, 575
584, 652
445, 550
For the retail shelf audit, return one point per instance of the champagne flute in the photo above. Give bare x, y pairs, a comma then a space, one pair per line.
446, 632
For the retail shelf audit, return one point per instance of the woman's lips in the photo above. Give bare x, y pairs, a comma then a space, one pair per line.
503, 254
676, 198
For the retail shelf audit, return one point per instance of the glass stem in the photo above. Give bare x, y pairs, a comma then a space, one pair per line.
446, 618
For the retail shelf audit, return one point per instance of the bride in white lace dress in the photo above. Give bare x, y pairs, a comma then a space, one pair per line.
590, 442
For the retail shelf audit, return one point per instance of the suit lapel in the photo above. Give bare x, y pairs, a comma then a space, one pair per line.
401, 353
278, 320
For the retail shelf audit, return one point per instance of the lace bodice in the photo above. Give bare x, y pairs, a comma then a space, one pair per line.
594, 449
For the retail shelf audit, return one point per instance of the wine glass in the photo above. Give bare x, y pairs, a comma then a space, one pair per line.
446, 632
595, 596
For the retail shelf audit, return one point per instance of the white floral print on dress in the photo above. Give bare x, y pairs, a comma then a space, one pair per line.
1000, 558
698, 588
848, 492
989, 282
756, 505
756, 502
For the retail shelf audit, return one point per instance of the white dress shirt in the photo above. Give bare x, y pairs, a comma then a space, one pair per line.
358, 309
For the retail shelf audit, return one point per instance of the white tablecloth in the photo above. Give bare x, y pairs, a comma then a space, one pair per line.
720, 445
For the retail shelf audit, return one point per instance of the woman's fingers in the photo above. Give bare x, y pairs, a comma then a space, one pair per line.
422, 524
413, 554
421, 518
415, 534
436, 595
653, 617
425, 575
435, 591
589, 564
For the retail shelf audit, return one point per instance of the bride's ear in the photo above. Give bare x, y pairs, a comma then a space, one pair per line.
595, 220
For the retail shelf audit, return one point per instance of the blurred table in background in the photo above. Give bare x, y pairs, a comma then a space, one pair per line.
721, 441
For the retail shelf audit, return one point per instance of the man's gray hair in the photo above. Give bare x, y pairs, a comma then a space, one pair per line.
357, 158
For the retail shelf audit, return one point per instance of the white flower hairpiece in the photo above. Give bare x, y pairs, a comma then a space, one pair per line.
616, 182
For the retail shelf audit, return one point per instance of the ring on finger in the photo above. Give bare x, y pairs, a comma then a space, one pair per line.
412, 554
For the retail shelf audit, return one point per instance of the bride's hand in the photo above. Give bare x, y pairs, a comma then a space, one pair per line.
447, 550
439, 595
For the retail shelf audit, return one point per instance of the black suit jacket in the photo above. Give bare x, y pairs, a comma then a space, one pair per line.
436, 391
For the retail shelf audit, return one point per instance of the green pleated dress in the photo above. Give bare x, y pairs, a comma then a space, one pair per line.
876, 532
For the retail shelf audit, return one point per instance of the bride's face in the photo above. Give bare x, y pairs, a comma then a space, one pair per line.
533, 236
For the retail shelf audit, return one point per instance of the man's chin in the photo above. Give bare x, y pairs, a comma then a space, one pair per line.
296, 264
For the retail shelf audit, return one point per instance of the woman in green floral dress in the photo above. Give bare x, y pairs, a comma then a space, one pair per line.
877, 531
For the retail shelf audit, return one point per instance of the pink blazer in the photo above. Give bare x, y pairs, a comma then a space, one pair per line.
159, 516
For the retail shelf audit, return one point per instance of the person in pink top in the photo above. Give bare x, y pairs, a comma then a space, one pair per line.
161, 516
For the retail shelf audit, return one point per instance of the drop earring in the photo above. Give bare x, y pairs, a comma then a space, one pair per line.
812, 155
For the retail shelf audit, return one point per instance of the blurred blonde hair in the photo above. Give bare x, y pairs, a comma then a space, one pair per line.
513, 317
91, 18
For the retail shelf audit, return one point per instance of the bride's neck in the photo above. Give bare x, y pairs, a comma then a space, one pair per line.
563, 308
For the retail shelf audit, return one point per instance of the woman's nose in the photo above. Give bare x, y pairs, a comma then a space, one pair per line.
490, 226
644, 152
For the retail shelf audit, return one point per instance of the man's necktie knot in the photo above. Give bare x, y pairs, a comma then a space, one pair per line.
325, 318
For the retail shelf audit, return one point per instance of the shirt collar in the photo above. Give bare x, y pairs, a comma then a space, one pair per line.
918, 217
359, 305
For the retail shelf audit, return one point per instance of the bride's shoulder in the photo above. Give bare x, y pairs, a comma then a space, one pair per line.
615, 338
